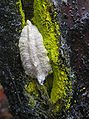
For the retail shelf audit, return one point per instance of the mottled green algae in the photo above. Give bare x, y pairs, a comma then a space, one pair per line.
50, 32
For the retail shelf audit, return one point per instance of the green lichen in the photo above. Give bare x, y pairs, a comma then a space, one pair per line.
19, 5
50, 31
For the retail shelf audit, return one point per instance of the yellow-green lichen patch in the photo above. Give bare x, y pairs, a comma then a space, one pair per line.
59, 85
19, 5
31, 88
50, 32
42, 20
31, 91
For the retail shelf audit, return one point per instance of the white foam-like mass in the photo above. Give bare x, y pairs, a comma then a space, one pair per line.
33, 53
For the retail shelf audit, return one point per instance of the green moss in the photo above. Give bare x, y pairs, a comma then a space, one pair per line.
50, 32
19, 5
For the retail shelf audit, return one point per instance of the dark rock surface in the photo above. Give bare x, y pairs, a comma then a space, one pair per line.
75, 30
12, 76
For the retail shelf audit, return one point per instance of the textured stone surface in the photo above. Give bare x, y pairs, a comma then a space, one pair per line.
11, 72
75, 30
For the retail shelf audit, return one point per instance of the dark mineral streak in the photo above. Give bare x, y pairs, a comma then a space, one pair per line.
27, 6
